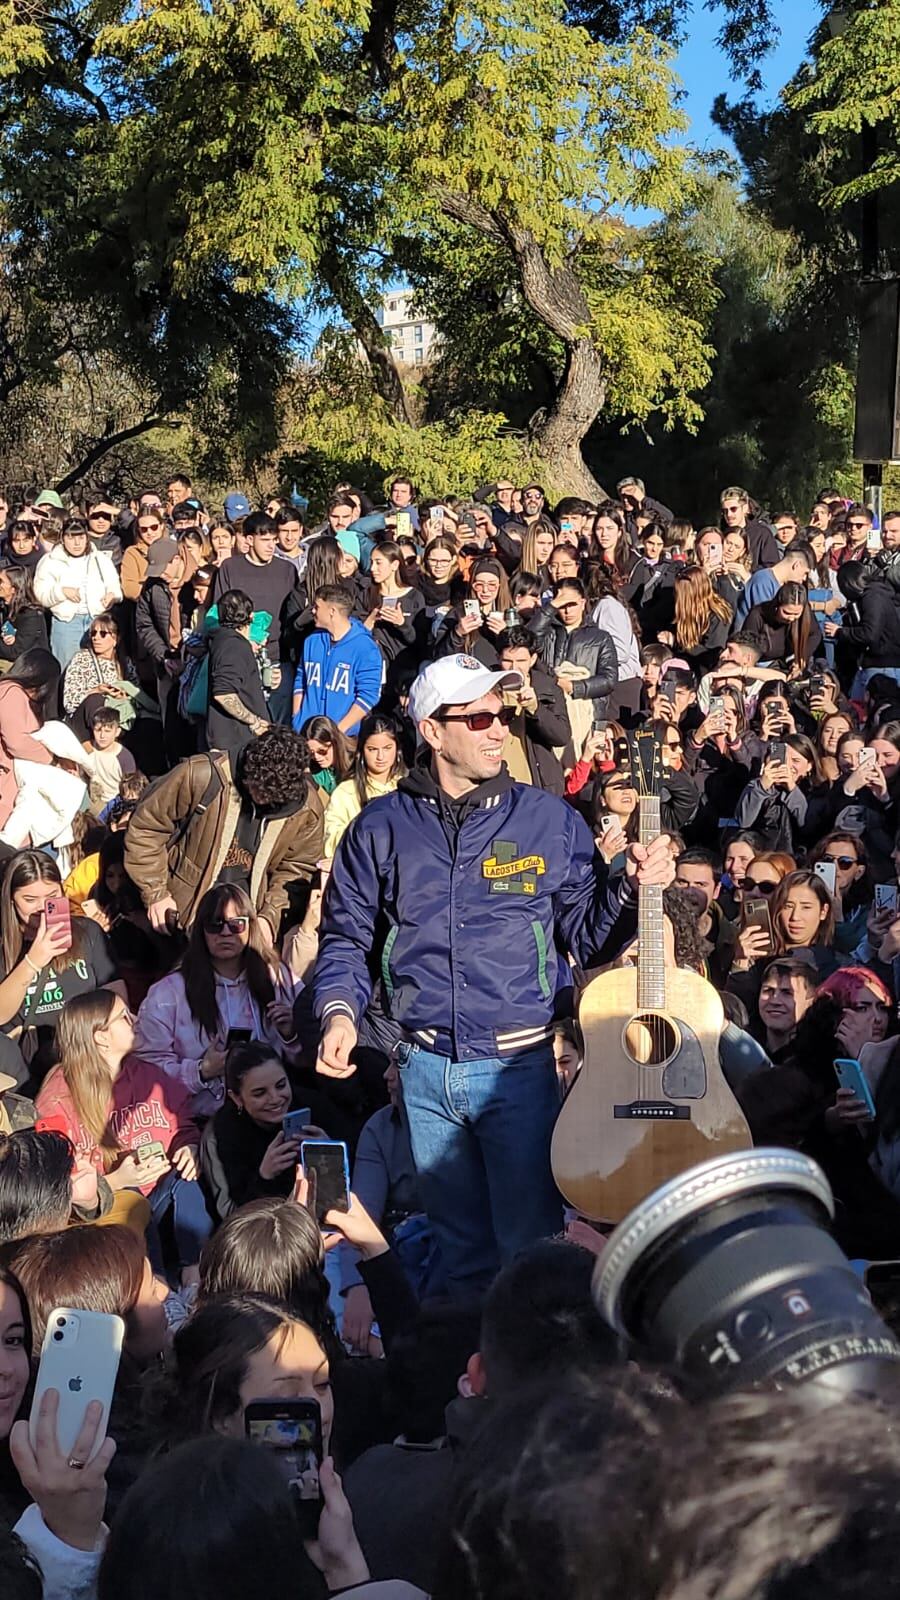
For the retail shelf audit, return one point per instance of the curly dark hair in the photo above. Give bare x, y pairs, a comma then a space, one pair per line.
682, 913
274, 769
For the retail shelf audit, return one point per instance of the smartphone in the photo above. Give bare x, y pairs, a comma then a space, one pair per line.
827, 871
882, 1279
867, 758
511, 617
668, 689
755, 914
873, 539
329, 1160
403, 524
293, 1430
392, 600
608, 821
717, 705
818, 685
151, 1151
850, 1075
436, 518
58, 913
885, 897
238, 1036
293, 1124
776, 750
471, 608
80, 1359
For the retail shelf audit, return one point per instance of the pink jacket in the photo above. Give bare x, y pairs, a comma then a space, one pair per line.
17, 723
147, 1107
165, 1031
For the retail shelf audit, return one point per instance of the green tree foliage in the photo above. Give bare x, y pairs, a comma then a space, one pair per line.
176, 174
778, 409
851, 83
91, 225
337, 426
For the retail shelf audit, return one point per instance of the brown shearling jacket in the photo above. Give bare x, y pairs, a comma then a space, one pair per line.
163, 856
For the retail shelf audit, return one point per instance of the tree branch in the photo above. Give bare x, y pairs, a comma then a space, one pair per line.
103, 445
365, 325
461, 208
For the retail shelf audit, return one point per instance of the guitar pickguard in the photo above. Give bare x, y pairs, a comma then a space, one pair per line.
685, 1076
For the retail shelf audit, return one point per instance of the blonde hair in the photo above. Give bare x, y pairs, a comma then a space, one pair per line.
84, 1072
696, 603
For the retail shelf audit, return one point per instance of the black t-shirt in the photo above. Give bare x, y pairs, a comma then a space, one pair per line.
267, 587
46, 995
232, 670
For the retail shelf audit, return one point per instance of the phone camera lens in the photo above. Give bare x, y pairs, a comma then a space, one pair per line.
60, 1322
58, 1338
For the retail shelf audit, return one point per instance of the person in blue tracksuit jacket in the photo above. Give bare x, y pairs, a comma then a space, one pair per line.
468, 890
340, 672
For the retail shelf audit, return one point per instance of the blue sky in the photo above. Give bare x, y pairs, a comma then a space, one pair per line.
704, 69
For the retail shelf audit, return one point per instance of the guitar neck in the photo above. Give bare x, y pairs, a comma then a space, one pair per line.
651, 970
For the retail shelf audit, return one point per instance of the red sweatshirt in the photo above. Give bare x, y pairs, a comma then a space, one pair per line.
146, 1106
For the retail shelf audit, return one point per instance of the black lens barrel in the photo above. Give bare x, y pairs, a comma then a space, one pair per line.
728, 1277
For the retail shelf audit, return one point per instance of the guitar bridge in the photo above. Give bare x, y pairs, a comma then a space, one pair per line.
652, 1111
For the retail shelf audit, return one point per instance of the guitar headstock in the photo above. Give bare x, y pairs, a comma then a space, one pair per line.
645, 758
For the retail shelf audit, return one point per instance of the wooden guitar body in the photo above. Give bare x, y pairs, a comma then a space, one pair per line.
650, 1100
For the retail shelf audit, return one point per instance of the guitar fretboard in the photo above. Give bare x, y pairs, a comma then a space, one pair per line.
651, 979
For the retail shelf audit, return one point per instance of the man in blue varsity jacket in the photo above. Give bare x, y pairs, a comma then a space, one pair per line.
469, 890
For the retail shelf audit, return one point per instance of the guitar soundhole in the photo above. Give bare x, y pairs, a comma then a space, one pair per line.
650, 1040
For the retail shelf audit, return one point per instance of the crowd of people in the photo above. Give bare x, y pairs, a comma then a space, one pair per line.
317, 830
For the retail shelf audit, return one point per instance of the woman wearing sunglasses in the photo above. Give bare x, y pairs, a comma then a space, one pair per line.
95, 672
853, 888
229, 982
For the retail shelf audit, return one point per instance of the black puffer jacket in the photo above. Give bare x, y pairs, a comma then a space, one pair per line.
587, 646
151, 619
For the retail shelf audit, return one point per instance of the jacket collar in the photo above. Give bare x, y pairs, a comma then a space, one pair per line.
421, 784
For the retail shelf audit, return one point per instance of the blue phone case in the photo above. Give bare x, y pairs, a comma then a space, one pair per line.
850, 1075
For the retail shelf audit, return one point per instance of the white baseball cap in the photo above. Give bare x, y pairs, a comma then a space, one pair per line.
455, 681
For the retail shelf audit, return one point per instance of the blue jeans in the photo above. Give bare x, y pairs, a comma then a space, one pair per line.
66, 637
480, 1135
192, 1224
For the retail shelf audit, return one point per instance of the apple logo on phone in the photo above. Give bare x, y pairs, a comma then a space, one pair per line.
75, 1385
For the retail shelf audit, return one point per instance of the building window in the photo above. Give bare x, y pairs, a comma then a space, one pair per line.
420, 357
418, 333
392, 305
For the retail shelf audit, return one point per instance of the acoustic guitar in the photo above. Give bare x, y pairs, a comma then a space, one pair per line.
650, 1099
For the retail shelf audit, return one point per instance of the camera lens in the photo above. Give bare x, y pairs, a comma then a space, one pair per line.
57, 1337
60, 1322
727, 1276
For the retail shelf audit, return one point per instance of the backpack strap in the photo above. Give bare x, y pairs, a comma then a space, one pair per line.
210, 793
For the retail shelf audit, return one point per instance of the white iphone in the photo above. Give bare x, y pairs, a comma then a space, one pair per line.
80, 1359
827, 871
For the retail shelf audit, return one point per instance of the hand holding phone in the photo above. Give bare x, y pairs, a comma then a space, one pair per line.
886, 897
756, 923
295, 1123
292, 1429
79, 1362
58, 913
854, 1086
327, 1162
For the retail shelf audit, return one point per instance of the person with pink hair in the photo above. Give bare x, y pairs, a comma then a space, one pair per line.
866, 1005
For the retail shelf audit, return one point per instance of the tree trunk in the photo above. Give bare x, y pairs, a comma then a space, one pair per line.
371, 336
555, 295
558, 437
